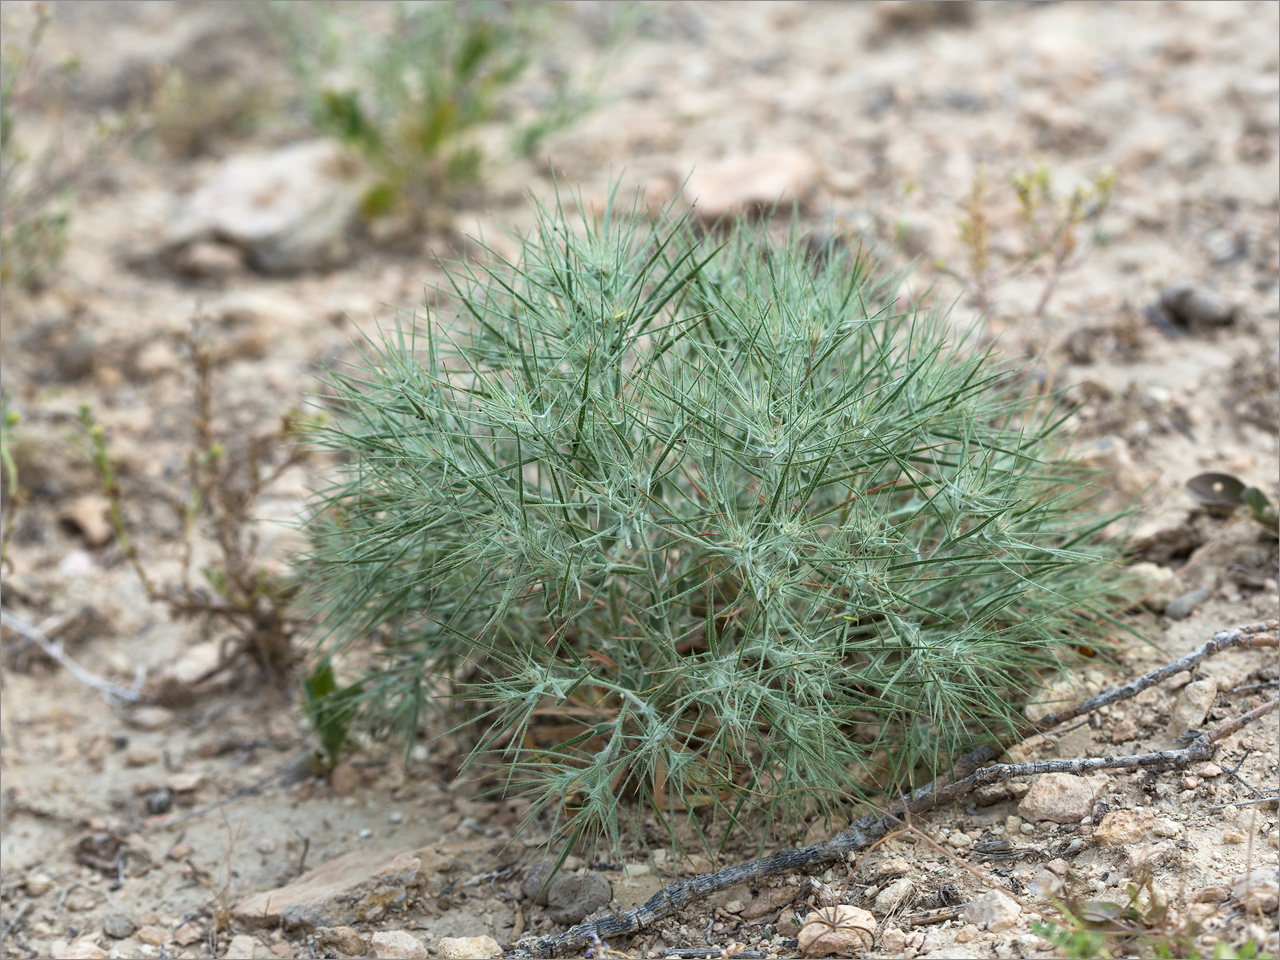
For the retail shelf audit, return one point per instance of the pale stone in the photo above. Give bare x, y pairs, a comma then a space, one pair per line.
738, 183
358, 886
186, 782
891, 897
345, 939
892, 867
993, 911
149, 718
1123, 827
401, 945
893, 941
840, 931
468, 948
141, 756
768, 900
1257, 890
289, 209
38, 884
1192, 705
89, 515
344, 778
241, 945
85, 949
966, 933
1062, 797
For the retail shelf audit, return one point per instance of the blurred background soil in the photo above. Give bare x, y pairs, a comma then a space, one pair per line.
864, 119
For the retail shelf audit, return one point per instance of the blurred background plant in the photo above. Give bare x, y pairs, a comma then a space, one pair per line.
228, 472
719, 529
36, 184
1057, 232
413, 95
12, 496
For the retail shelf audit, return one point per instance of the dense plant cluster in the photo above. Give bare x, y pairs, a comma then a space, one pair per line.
721, 527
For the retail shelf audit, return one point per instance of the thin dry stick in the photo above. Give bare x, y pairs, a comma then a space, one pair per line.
114, 694
871, 829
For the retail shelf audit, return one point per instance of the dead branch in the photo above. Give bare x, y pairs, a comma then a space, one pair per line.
114, 694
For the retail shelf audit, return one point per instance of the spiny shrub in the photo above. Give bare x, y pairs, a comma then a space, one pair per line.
705, 525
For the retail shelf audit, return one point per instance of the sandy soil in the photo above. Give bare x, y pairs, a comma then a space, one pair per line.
884, 115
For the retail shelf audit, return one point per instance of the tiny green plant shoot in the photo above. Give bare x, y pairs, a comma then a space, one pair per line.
34, 219
412, 96
1145, 925
13, 496
1051, 224
717, 529
36, 190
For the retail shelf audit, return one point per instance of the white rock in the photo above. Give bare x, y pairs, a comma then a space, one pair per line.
1192, 705
1123, 827
400, 945
1257, 890
289, 209
993, 911
891, 897
38, 884
840, 931
1062, 797
893, 941
740, 182
241, 945
469, 948
88, 514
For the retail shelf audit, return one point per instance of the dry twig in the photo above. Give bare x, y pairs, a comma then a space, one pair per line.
114, 694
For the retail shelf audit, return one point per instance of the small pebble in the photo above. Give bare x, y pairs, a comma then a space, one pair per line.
118, 927
38, 884
141, 756
160, 801
265, 845
151, 936
1183, 606
365, 833
396, 816
180, 851
1194, 306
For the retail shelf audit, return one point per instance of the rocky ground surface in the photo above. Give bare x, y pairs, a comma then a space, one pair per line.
869, 117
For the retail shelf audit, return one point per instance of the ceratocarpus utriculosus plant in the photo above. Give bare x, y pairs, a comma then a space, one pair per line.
717, 528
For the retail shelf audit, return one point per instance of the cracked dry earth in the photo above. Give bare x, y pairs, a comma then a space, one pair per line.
870, 116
